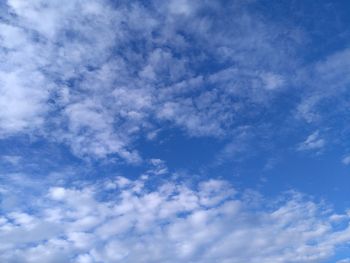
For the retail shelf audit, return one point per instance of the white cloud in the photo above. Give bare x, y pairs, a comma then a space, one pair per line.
98, 77
11, 159
181, 7
22, 101
324, 81
272, 81
346, 160
312, 142
159, 167
169, 222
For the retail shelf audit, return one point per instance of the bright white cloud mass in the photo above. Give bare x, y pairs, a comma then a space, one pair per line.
174, 131
122, 220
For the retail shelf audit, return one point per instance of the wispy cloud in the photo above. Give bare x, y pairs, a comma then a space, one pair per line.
312, 142
326, 80
346, 160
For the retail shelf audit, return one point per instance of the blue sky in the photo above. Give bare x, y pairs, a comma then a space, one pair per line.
174, 131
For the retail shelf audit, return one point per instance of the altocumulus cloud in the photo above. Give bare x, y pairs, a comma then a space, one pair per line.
148, 220
97, 75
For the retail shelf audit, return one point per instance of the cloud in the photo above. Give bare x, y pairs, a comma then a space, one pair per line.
272, 81
324, 81
182, 7
97, 76
346, 160
24, 90
47, 47
312, 142
123, 220
159, 167
11, 159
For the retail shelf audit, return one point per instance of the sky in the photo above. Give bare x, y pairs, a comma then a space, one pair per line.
194, 131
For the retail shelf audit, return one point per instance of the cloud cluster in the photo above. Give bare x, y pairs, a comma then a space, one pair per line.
123, 220
98, 75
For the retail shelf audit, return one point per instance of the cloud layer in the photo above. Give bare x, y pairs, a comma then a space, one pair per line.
100, 76
152, 220
97, 76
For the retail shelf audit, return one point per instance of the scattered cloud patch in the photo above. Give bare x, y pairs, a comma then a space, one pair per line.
346, 160
312, 142
11, 159
124, 220
272, 81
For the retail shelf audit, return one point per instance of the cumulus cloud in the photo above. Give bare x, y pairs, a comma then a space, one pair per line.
123, 220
